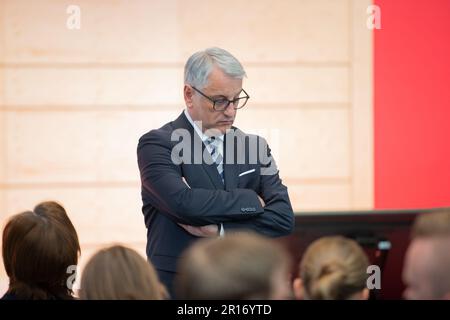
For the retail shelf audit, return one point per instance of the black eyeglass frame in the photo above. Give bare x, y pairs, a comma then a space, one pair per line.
235, 102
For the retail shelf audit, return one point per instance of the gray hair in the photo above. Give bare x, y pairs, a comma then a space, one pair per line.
199, 66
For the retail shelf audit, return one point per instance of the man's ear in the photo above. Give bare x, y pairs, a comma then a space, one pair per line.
188, 92
298, 289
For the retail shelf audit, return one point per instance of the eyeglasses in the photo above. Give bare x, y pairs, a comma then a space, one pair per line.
221, 104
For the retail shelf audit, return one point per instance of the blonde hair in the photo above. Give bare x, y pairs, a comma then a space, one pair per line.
120, 273
237, 267
333, 268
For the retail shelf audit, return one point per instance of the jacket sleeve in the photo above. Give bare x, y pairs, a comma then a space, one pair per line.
165, 190
278, 217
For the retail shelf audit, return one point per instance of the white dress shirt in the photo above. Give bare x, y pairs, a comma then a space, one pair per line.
204, 137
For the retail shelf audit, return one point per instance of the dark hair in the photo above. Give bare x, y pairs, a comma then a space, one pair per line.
57, 212
38, 247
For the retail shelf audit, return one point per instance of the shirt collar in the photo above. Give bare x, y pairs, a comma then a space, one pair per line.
202, 136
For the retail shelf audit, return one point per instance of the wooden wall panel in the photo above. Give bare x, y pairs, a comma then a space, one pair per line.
65, 147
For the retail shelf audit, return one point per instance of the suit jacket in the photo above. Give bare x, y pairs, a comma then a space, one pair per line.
205, 199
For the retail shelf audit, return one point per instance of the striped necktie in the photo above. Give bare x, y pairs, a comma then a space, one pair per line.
213, 144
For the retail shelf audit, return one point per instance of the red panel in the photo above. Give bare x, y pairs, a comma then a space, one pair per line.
412, 104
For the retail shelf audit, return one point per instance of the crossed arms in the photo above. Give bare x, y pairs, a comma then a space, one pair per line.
163, 185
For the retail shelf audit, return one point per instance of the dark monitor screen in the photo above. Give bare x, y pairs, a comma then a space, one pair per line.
383, 234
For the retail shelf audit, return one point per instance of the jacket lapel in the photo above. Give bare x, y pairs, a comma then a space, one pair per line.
210, 169
230, 166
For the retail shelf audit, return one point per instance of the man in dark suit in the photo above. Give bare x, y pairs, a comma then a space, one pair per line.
202, 177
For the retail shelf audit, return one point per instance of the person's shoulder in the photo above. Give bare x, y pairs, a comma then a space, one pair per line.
160, 136
164, 133
159, 133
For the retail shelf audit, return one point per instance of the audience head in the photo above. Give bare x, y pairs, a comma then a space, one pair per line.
238, 266
38, 248
332, 268
426, 270
57, 212
120, 273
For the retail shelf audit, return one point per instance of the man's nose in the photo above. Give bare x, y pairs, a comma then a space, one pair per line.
229, 110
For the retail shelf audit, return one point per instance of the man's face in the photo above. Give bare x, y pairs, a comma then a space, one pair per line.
417, 270
201, 109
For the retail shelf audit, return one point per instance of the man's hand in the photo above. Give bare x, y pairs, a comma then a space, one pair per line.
211, 230
263, 204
